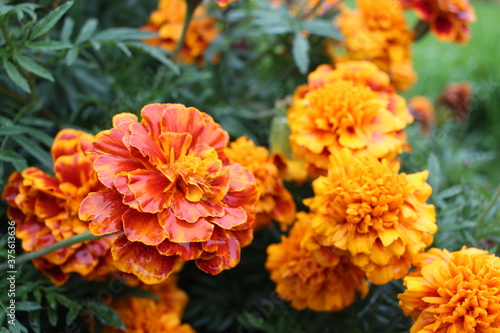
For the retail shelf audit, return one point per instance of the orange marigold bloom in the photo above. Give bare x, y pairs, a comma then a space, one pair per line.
172, 191
422, 109
377, 31
168, 21
146, 315
448, 19
339, 109
328, 284
453, 292
379, 216
45, 209
275, 202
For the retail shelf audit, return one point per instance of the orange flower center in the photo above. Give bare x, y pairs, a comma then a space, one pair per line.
372, 196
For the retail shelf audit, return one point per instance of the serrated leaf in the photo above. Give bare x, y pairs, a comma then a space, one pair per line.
67, 29
105, 314
72, 55
87, 31
300, 52
157, 53
51, 299
27, 29
16, 76
27, 306
121, 35
49, 45
15, 159
52, 316
34, 317
323, 28
124, 49
48, 22
33, 67
34, 150
13, 130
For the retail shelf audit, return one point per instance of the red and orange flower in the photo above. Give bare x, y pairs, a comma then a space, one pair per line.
422, 109
275, 202
381, 218
45, 209
321, 279
377, 31
351, 107
146, 315
448, 19
168, 21
453, 292
171, 189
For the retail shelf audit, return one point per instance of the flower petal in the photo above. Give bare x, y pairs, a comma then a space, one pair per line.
187, 251
142, 260
140, 139
192, 211
216, 264
150, 189
232, 217
180, 231
175, 145
104, 209
108, 167
143, 227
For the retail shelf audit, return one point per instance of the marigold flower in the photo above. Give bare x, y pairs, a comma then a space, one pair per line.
45, 209
172, 191
453, 292
275, 202
224, 3
377, 31
330, 284
423, 110
146, 315
363, 206
448, 19
290, 169
339, 109
457, 97
168, 21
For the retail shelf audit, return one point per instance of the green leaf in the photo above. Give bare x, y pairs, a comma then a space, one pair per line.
67, 29
15, 159
48, 22
121, 35
157, 53
105, 314
14, 130
87, 31
34, 150
18, 328
50, 45
52, 315
42, 137
300, 51
34, 317
33, 67
72, 55
323, 28
16, 76
124, 49
27, 306
3, 330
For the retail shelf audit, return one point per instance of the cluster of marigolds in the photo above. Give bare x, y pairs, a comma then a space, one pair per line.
170, 187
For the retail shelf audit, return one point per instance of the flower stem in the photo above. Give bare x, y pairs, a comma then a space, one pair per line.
492, 203
421, 29
191, 6
56, 246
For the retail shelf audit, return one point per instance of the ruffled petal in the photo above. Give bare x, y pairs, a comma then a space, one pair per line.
216, 264
143, 227
151, 189
193, 211
104, 210
187, 251
180, 231
108, 167
143, 261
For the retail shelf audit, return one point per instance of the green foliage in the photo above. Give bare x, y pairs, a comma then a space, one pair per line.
77, 64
